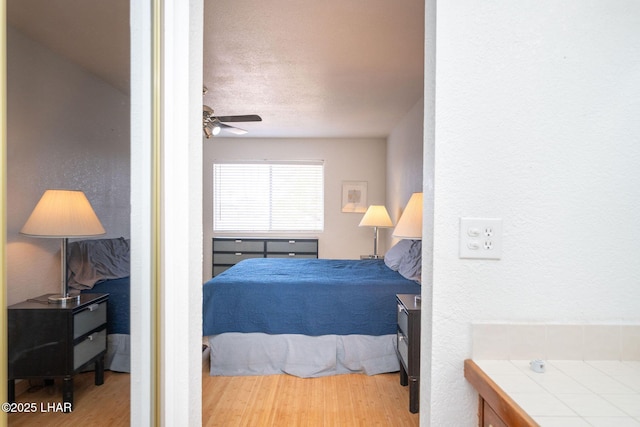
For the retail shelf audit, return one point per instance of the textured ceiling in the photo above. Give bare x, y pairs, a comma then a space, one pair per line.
311, 69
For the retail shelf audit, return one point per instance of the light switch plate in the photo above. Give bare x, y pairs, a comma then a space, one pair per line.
481, 238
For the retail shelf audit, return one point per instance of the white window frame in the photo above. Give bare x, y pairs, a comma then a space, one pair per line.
260, 188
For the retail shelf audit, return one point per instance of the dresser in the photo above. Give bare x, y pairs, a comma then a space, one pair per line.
57, 340
408, 346
228, 251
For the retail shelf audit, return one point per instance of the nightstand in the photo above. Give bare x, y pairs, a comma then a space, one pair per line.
371, 256
408, 346
57, 340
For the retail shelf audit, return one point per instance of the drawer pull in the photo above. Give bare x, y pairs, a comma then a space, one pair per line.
292, 242
90, 337
238, 241
292, 254
238, 253
93, 307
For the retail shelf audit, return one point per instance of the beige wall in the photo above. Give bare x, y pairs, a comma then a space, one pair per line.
344, 160
65, 129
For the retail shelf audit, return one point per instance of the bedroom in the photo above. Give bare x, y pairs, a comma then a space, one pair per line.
481, 65
106, 114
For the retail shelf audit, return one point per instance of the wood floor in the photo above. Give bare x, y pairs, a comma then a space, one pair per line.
284, 400
277, 400
103, 405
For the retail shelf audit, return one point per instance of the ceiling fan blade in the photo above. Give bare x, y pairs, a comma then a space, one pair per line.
232, 129
245, 118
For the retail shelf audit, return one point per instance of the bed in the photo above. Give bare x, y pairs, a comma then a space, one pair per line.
102, 266
308, 317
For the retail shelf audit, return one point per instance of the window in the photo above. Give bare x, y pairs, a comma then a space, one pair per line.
268, 196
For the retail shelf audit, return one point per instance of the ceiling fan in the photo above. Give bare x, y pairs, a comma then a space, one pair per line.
212, 124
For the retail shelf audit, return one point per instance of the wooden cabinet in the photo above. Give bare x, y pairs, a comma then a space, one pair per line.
57, 340
408, 346
489, 416
229, 251
495, 407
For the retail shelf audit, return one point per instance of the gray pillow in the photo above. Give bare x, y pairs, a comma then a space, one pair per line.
92, 261
394, 255
411, 263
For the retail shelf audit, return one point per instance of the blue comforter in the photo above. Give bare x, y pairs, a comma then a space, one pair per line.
304, 296
118, 306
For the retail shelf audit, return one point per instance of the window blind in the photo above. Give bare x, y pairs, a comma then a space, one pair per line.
268, 196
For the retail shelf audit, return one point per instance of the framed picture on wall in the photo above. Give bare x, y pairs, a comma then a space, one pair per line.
354, 196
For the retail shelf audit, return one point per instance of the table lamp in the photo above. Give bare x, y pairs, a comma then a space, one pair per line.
376, 216
410, 224
63, 214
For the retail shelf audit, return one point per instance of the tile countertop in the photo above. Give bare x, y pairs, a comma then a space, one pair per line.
572, 393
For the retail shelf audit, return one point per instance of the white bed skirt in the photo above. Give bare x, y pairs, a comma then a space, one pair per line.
235, 354
118, 356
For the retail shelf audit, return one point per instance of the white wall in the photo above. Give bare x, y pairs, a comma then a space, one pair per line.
65, 129
536, 122
404, 163
344, 160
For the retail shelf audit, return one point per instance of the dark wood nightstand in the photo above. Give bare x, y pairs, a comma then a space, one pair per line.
55, 341
371, 256
408, 346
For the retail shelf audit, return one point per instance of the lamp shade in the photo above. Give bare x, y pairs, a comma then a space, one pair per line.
376, 216
63, 213
410, 224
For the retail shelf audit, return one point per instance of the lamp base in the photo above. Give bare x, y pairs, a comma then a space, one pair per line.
62, 299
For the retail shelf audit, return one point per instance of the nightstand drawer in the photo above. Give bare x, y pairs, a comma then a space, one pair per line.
293, 246
403, 320
92, 317
90, 347
403, 349
238, 245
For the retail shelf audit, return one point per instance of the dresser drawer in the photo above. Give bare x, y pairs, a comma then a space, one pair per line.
217, 269
291, 255
90, 347
234, 258
293, 246
88, 319
238, 245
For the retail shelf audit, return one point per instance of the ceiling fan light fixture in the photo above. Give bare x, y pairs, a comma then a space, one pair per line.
212, 125
215, 128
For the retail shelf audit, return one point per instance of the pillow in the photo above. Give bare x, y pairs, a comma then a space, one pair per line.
394, 255
92, 261
411, 263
